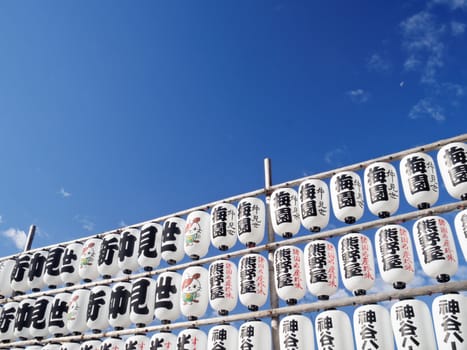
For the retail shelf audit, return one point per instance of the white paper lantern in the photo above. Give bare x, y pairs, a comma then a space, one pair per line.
289, 274
137, 342
164, 341
253, 276
223, 337
296, 332
40, 317
381, 189
347, 196
223, 286
192, 339
23, 319
142, 301
435, 247
52, 346
36, 270
419, 180
394, 254
321, 271
6, 268
128, 250
224, 226
33, 347
251, 213
412, 326
7, 321
356, 261
77, 311
69, 272
107, 263
89, 258
372, 328
113, 343
91, 345
194, 292
452, 161
119, 309
333, 331
285, 216
173, 238
58, 312
450, 321
19, 275
460, 224
97, 316
168, 286
197, 233
314, 204
149, 252
52, 267
254, 335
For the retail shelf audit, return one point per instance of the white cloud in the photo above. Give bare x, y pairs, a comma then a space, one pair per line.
337, 156
452, 89
17, 236
453, 4
378, 64
64, 193
358, 95
457, 28
85, 222
425, 108
425, 49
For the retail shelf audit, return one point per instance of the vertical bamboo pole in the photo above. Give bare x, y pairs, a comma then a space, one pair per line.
274, 301
30, 238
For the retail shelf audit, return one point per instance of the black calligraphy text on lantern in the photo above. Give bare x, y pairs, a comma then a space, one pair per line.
456, 160
20, 268
351, 257
7, 316
345, 191
119, 301
416, 169
23, 316
318, 263
108, 250
429, 237
36, 266
69, 256
464, 224
407, 329
244, 217
451, 324
147, 244
290, 329
156, 343
308, 200
164, 288
184, 341
325, 337
284, 267
131, 345
52, 264
217, 279
248, 275
96, 301
246, 333
389, 246
138, 297
377, 184
58, 310
219, 336
169, 233
219, 227
368, 333
282, 202
38, 317
127, 246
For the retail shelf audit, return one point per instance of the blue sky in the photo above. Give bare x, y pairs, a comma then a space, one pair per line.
113, 113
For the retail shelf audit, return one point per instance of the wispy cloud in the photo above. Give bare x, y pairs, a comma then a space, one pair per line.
358, 95
453, 4
64, 193
85, 222
122, 223
425, 108
337, 157
1, 219
422, 39
457, 28
376, 63
17, 236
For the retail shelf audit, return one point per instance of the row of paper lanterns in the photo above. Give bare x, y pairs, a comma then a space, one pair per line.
189, 294
409, 323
